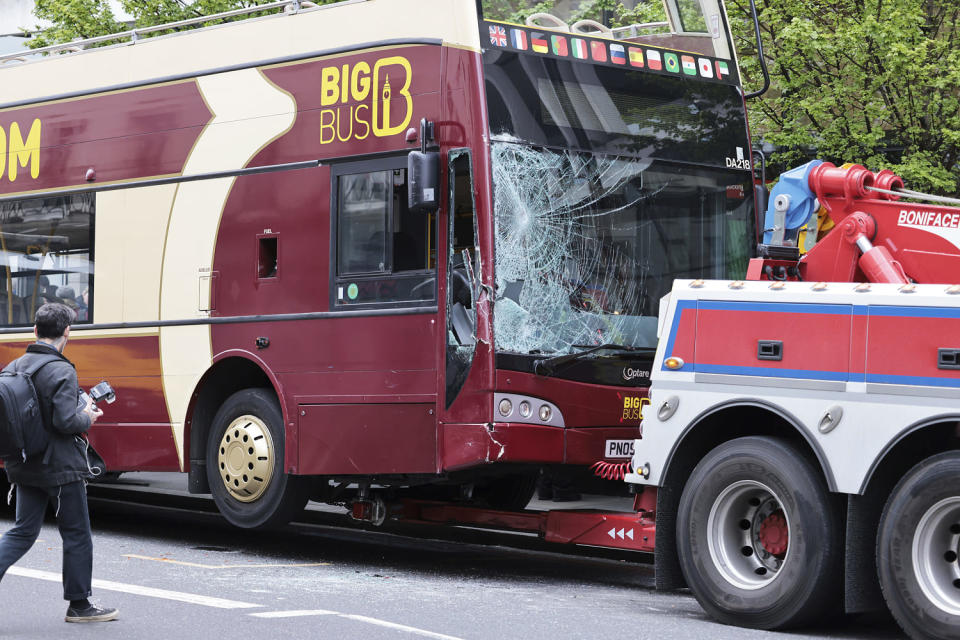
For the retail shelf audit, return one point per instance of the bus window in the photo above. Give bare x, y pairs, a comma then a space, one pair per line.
385, 253
461, 314
364, 208
691, 16
47, 257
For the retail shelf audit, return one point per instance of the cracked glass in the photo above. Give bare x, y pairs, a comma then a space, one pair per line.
461, 274
609, 183
586, 244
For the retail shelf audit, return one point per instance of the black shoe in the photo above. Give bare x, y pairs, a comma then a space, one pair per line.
93, 613
565, 496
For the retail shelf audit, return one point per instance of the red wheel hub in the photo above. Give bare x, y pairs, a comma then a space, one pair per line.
774, 533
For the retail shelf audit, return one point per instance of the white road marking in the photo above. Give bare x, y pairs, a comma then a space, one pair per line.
377, 621
399, 627
220, 603
294, 614
107, 585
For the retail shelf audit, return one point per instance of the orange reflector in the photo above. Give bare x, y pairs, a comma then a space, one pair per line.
673, 362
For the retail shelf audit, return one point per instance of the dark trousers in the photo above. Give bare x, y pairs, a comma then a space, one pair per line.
70, 500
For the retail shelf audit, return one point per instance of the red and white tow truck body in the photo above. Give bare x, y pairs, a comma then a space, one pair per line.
803, 433
852, 367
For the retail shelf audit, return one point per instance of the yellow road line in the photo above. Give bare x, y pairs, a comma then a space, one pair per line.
225, 566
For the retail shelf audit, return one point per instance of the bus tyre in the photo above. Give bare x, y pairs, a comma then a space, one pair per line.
245, 454
917, 549
758, 536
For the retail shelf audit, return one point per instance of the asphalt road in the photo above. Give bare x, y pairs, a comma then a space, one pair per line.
176, 573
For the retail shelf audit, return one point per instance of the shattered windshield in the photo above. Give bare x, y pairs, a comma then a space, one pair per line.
586, 244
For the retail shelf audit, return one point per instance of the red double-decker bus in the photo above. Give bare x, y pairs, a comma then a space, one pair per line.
376, 245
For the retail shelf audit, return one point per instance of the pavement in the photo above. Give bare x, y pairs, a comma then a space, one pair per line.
180, 573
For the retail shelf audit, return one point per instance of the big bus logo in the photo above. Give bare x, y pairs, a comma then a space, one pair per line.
359, 100
17, 152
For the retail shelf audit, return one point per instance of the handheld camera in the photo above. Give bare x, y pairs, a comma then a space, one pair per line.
102, 391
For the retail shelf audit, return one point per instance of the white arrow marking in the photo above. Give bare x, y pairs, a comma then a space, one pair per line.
630, 534
612, 533
620, 533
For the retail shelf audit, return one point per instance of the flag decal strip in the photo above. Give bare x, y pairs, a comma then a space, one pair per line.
612, 53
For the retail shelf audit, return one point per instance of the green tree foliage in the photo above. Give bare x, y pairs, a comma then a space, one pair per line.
77, 19
867, 81
73, 19
870, 81
518, 10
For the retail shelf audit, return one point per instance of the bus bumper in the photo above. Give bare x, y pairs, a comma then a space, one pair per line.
469, 445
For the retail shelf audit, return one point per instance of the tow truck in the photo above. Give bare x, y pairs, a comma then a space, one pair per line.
803, 437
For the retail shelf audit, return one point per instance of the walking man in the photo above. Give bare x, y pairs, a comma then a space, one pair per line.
59, 474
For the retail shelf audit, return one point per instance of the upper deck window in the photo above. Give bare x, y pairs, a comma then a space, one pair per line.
691, 16
624, 111
47, 246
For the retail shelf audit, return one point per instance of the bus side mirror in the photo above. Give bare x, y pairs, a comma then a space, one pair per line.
423, 175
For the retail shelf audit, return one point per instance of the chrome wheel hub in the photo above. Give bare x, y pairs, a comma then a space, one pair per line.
936, 545
246, 458
748, 535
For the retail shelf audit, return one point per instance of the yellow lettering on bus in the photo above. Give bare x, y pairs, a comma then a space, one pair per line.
366, 124
374, 89
633, 408
382, 116
328, 120
340, 137
360, 81
345, 88
329, 86
3, 150
24, 153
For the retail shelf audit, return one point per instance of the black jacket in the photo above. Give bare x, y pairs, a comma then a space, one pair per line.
65, 460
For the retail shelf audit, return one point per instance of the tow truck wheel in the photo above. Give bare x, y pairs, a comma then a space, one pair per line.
917, 549
758, 536
245, 449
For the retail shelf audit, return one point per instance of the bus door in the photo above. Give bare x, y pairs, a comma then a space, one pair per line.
378, 414
462, 273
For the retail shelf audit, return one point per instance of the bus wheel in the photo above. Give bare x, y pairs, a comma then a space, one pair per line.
917, 549
245, 451
758, 536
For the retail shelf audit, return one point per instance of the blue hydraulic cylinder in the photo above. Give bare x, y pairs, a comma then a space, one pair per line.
802, 207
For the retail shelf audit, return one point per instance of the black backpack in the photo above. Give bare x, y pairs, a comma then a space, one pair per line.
22, 432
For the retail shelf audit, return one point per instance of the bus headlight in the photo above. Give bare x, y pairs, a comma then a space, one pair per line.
525, 409
517, 407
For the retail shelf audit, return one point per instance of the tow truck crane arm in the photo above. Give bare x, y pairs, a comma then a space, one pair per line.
875, 237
